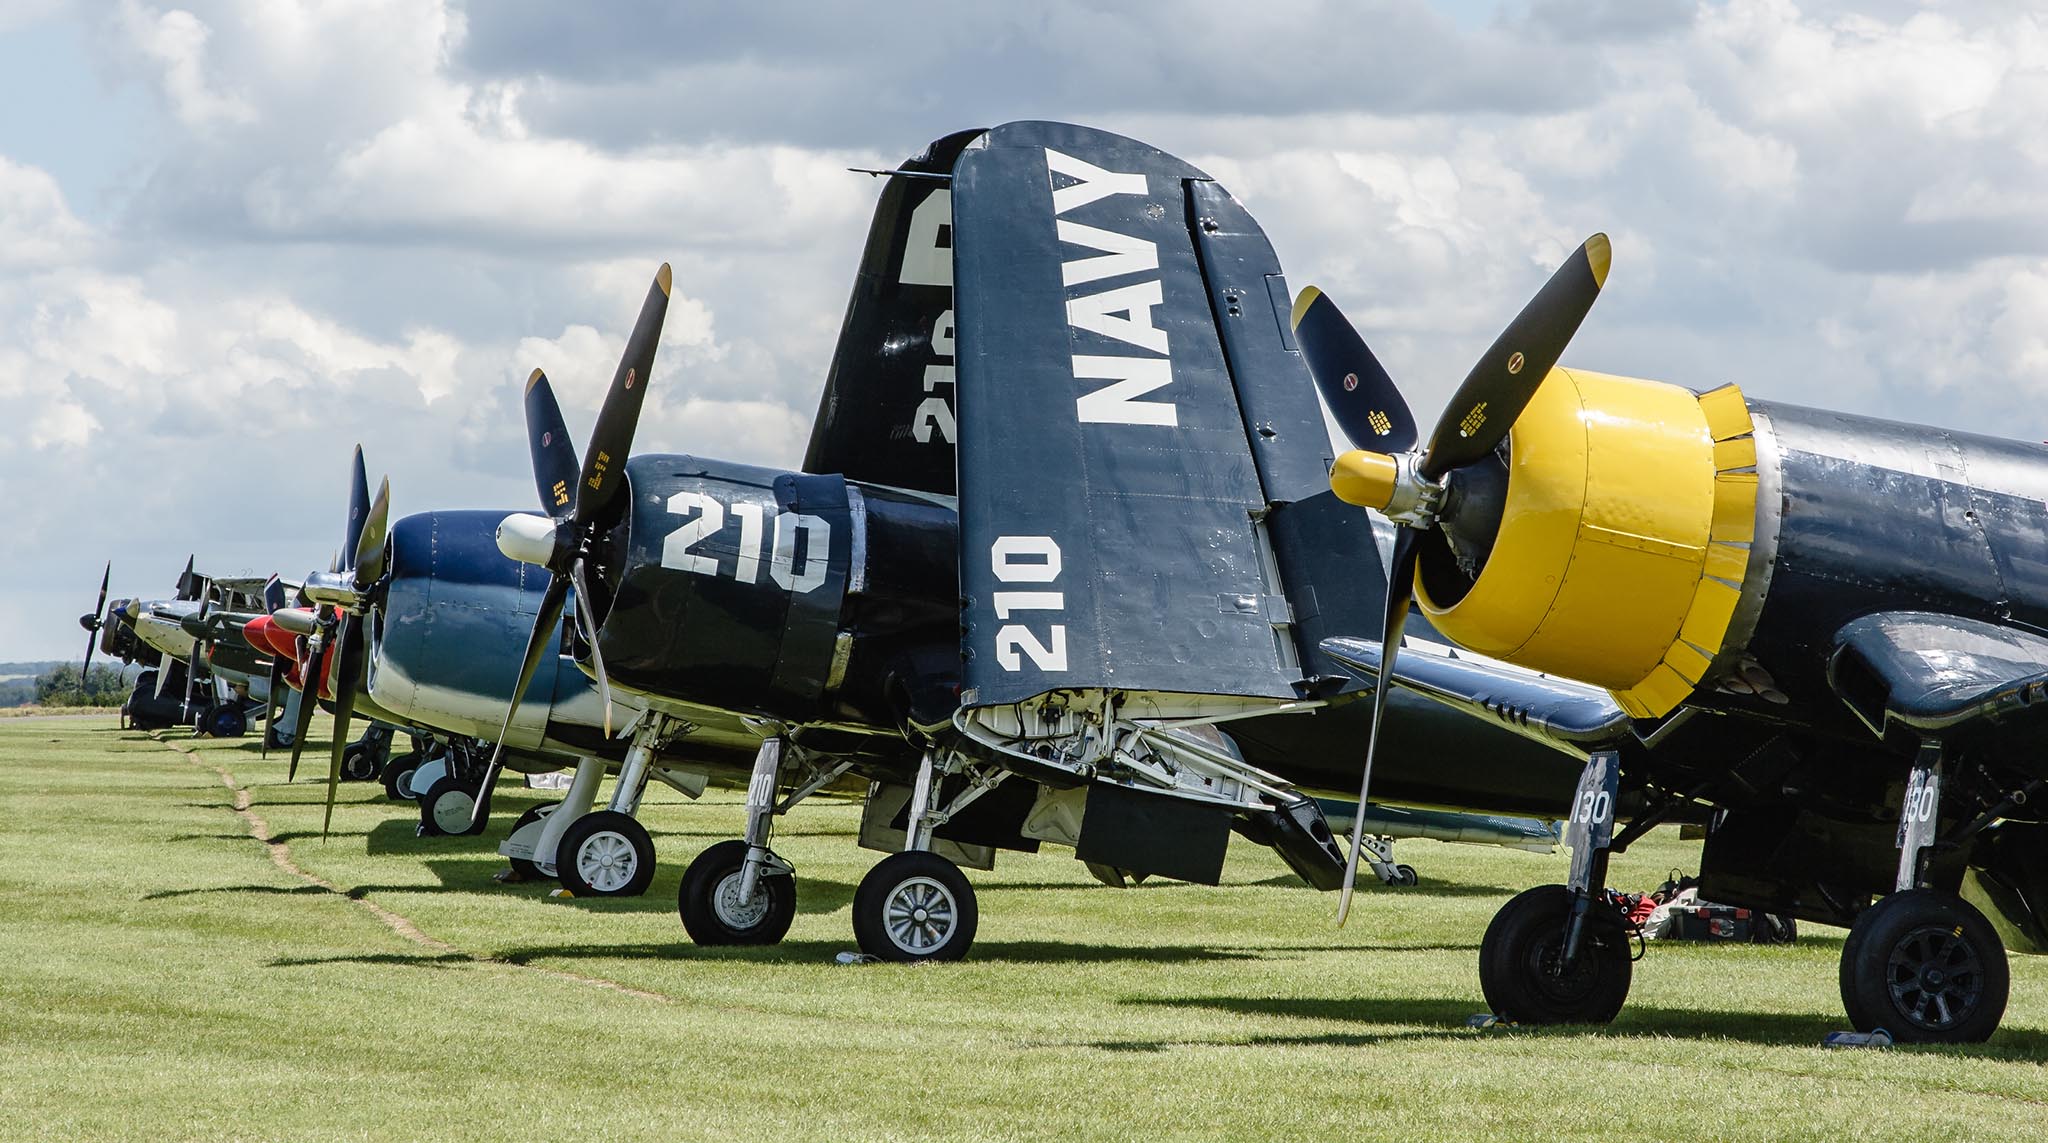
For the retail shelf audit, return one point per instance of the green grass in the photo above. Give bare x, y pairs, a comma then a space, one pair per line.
161, 978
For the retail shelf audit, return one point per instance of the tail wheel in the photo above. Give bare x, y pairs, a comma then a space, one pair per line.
605, 854
1925, 966
914, 906
709, 900
1520, 961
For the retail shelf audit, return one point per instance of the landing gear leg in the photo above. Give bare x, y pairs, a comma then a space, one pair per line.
531, 847
1922, 963
740, 892
915, 905
1558, 954
609, 853
1379, 853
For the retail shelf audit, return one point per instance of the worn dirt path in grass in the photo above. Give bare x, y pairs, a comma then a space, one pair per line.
281, 856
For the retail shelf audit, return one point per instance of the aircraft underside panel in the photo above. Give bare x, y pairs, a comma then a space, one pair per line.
1108, 489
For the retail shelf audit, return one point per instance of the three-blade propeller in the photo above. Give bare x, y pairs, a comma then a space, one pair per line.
336, 644
92, 624
580, 513
1409, 485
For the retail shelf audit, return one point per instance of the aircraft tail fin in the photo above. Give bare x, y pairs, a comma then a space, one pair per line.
886, 416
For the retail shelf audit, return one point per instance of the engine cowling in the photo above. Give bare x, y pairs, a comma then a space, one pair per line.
1624, 540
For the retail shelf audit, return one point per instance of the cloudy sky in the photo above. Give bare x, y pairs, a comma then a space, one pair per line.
238, 236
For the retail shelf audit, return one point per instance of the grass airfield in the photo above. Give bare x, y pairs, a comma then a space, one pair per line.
163, 975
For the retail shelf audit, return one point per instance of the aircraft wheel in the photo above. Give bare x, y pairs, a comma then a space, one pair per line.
914, 906
605, 854
709, 900
398, 777
1518, 961
357, 765
1405, 875
522, 869
446, 808
226, 722
1925, 966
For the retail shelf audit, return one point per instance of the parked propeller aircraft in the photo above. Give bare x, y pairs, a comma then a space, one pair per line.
1825, 636
443, 606
1106, 636
194, 642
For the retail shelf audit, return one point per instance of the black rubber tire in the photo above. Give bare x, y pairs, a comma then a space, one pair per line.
595, 837
449, 786
523, 869
905, 880
716, 869
357, 764
1405, 876
1527, 934
1884, 968
227, 721
396, 776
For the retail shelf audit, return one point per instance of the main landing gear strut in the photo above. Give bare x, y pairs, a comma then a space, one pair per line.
1922, 963
1559, 954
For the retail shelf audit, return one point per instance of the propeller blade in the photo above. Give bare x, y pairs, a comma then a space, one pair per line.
348, 657
604, 464
1400, 593
1361, 397
588, 624
185, 580
545, 627
554, 455
309, 700
358, 511
369, 549
92, 636
1500, 386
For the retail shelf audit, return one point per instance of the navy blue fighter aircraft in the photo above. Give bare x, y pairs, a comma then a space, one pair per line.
1824, 636
1097, 621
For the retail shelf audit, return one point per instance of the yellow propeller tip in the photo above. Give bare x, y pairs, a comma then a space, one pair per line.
1302, 302
533, 378
664, 279
1599, 255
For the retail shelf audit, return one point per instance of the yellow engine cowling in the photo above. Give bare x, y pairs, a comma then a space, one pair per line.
1630, 508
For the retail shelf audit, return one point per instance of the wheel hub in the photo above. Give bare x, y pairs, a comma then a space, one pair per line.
725, 903
1934, 977
452, 811
606, 861
920, 915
